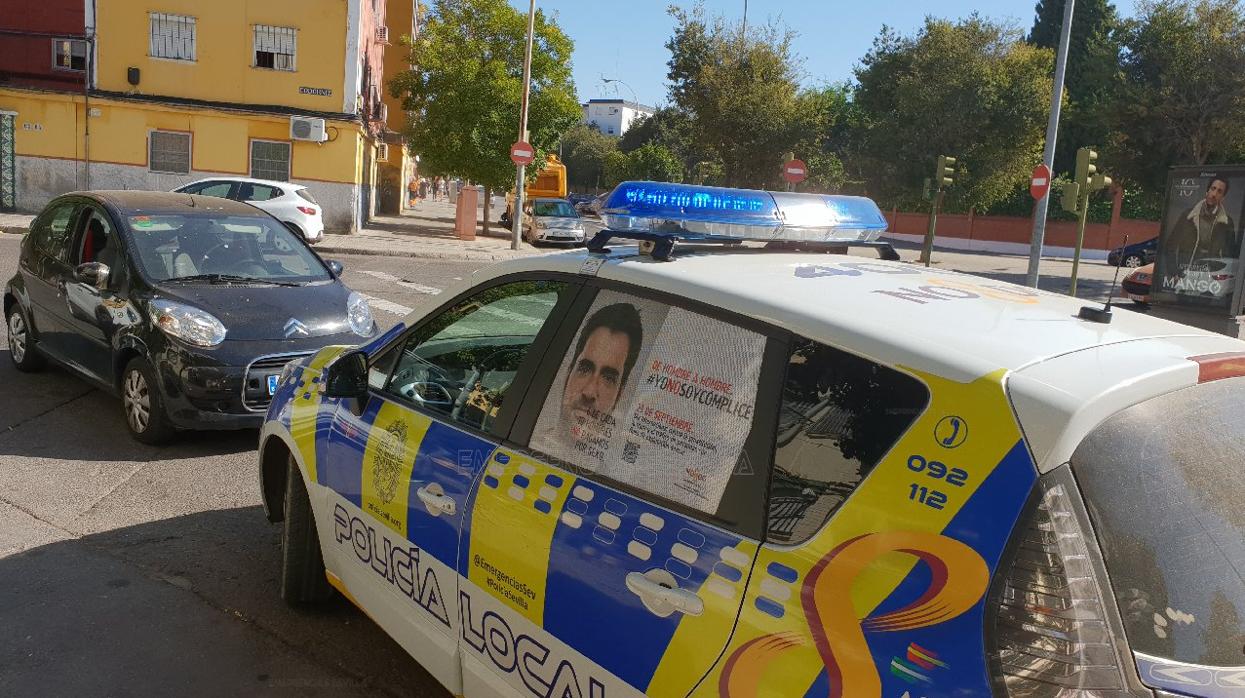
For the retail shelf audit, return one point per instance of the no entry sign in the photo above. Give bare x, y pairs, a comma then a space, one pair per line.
522, 153
1039, 186
795, 171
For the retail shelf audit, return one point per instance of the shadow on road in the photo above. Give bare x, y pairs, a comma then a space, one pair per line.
55, 415
184, 606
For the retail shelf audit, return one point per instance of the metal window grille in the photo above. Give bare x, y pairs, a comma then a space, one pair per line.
172, 36
270, 160
169, 152
275, 47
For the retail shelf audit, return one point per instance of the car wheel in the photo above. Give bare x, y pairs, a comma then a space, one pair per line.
1133, 261
22, 348
303, 581
144, 408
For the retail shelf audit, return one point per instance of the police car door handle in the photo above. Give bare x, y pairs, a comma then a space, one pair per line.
436, 501
652, 592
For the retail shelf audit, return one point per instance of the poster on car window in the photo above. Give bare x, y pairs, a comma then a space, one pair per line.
1200, 244
655, 397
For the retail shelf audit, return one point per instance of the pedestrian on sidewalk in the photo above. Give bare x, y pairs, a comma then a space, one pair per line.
423, 188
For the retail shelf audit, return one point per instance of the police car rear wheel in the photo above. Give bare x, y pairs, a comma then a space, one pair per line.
303, 582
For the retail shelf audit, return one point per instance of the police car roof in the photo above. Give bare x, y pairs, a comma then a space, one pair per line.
952, 324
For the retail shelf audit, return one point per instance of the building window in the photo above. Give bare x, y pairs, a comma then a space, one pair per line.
172, 36
168, 152
270, 160
275, 47
69, 54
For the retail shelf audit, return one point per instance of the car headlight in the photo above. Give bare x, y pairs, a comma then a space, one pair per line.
188, 323
360, 314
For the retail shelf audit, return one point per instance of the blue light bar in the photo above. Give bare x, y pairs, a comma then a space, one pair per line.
740, 214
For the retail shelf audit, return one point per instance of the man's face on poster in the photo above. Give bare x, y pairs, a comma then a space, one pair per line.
595, 379
1214, 195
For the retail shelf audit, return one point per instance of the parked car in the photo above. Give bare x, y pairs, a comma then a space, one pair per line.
292, 204
655, 471
1137, 284
553, 220
186, 306
1134, 255
1211, 276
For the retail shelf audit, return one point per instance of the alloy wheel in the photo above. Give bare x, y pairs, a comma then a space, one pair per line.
137, 400
17, 336
1132, 261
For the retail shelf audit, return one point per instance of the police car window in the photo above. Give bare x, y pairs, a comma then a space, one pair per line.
461, 364
839, 416
51, 231
655, 397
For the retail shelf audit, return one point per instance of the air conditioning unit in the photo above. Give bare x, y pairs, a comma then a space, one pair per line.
382, 112
382, 152
382, 35
306, 128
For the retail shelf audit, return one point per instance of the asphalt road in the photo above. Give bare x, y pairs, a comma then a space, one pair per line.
131, 570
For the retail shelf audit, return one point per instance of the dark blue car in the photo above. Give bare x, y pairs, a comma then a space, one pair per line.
1134, 255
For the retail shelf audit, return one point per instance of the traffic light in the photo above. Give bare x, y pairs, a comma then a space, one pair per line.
1085, 167
944, 175
1070, 197
1099, 181
926, 192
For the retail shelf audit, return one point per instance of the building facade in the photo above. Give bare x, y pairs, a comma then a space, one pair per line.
181, 90
613, 116
399, 167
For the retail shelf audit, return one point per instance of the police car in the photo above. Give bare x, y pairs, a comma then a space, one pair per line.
704, 466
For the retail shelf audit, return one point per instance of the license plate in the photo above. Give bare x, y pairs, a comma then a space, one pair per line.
272, 384
1135, 297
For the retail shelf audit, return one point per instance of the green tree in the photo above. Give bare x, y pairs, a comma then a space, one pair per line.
1183, 101
972, 89
1093, 72
465, 97
739, 89
586, 150
650, 162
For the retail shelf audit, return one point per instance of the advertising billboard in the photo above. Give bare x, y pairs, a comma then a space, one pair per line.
1200, 246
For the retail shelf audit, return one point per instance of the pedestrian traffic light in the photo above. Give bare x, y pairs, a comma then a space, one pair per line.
944, 175
1085, 167
1070, 197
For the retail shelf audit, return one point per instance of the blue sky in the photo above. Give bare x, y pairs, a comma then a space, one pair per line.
626, 40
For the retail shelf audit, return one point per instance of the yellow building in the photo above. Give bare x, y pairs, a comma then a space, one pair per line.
184, 89
401, 21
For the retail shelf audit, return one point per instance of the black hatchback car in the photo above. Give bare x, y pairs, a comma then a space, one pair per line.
1138, 254
188, 307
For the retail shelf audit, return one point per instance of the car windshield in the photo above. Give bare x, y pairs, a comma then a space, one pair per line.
211, 247
555, 209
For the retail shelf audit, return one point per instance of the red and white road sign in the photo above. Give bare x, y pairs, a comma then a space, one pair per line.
795, 171
522, 153
1039, 186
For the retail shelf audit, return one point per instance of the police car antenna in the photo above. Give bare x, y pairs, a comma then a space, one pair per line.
1103, 314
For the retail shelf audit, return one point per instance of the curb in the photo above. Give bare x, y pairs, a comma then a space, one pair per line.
13, 230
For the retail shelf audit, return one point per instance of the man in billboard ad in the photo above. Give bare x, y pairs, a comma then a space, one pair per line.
1200, 248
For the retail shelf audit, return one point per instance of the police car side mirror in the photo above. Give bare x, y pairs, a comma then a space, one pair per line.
347, 377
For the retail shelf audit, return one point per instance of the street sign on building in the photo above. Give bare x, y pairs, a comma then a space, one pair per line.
794, 171
522, 153
1039, 185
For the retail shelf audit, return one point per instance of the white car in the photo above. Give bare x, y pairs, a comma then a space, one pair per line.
1210, 276
289, 203
553, 220
692, 469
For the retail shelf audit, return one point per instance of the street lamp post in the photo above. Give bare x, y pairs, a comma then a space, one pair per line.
516, 216
1048, 156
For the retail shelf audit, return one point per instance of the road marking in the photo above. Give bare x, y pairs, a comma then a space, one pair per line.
387, 306
418, 288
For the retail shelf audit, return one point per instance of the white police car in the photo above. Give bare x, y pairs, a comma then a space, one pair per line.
747, 472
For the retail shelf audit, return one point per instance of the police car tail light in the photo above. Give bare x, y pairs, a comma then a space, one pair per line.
1213, 367
717, 213
1056, 631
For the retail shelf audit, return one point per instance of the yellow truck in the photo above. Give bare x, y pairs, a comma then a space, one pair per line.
550, 181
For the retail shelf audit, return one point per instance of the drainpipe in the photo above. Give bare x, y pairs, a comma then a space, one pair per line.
86, 106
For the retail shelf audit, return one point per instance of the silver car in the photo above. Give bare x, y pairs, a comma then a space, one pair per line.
553, 220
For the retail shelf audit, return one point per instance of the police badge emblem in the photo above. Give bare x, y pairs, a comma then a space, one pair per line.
387, 465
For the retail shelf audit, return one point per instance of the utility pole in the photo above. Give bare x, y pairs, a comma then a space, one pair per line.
1052, 133
516, 216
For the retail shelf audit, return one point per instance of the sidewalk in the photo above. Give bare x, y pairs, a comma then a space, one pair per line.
426, 232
